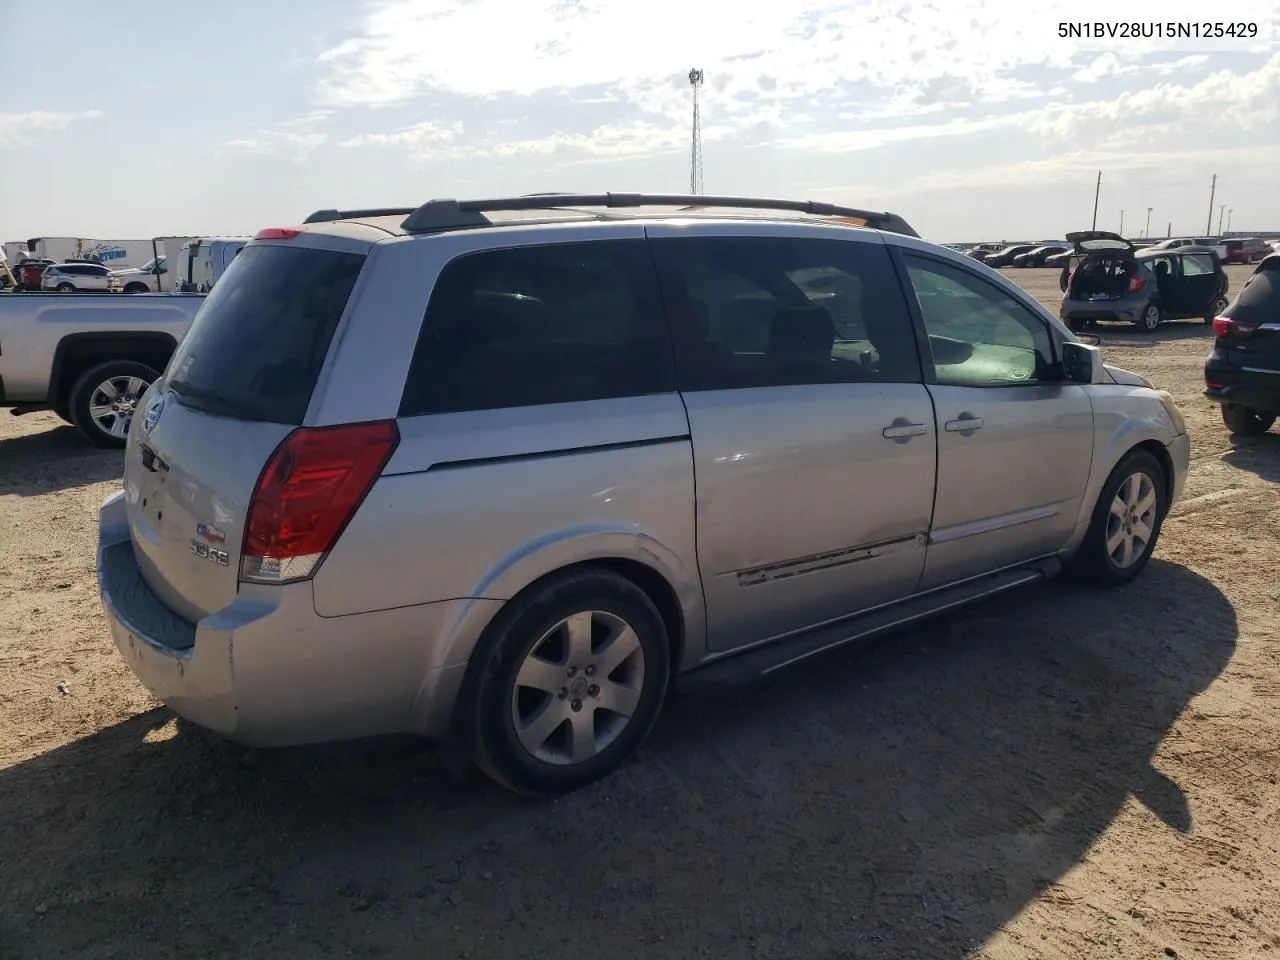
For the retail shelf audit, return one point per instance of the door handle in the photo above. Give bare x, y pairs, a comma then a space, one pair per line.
964, 425
901, 430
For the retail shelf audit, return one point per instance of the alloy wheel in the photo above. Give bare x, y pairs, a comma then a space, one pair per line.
114, 402
578, 687
1131, 522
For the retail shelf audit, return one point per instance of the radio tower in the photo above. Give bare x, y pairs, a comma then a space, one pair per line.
695, 166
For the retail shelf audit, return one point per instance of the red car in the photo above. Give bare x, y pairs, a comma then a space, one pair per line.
29, 272
1245, 250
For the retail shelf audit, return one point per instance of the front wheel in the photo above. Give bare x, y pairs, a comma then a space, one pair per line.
1149, 319
1126, 523
1245, 422
104, 399
571, 679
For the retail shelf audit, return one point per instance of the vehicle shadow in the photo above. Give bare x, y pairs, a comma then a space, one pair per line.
1120, 334
57, 459
902, 799
1259, 455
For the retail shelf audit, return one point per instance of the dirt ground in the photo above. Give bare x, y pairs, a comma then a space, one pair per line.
1062, 773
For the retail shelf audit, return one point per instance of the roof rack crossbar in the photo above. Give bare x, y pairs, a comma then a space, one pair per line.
448, 214
328, 216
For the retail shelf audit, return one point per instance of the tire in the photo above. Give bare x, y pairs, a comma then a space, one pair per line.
1245, 422
137, 288
539, 762
1075, 326
1149, 319
1219, 304
1094, 562
65, 288
127, 374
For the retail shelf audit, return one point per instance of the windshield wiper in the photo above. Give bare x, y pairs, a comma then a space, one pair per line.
203, 394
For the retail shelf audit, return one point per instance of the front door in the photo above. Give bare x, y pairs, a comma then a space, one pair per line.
1198, 284
813, 436
1015, 442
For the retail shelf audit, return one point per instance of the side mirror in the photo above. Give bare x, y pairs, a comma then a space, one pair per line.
1082, 363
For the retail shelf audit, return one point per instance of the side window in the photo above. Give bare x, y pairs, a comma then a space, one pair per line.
1197, 265
978, 334
555, 323
765, 312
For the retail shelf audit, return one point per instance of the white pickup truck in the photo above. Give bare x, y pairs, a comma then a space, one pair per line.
88, 357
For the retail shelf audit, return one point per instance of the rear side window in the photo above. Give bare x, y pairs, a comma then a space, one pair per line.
554, 323
256, 347
769, 311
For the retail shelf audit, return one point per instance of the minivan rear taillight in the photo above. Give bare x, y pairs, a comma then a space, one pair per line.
1226, 327
1136, 282
307, 494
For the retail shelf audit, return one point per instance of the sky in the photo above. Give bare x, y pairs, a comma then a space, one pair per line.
973, 120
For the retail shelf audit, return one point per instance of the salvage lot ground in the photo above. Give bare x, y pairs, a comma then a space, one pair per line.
1063, 773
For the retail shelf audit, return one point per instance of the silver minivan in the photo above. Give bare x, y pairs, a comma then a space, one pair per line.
499, 472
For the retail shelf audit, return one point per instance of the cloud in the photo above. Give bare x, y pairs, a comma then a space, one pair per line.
296, 136
1168, 168
422, 141
22, 129
430, 141
785, 51
1222, 100
1153, 115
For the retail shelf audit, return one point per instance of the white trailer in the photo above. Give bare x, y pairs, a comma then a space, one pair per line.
117, 254
158, 275
52, 248
202, 261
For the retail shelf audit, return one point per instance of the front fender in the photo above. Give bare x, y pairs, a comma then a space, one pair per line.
1124, 417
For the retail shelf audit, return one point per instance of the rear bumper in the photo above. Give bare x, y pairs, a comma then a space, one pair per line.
1226, 383
1123, 309
268, 671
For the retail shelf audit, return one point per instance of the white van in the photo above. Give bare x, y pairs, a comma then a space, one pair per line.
201, 262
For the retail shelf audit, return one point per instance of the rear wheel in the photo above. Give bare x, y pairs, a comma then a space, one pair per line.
103, 400
570, 681
1246, 422
1149, 319
1126, 523
1215, 309
66, 288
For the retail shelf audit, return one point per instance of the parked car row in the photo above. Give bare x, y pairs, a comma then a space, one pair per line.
1229, 250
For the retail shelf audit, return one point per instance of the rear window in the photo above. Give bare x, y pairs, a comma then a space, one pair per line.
1259, 301
256, 347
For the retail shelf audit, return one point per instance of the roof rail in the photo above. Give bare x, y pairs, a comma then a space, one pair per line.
328, 216
461, 214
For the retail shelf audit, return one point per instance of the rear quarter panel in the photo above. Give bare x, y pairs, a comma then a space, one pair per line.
468, 509
33, 325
